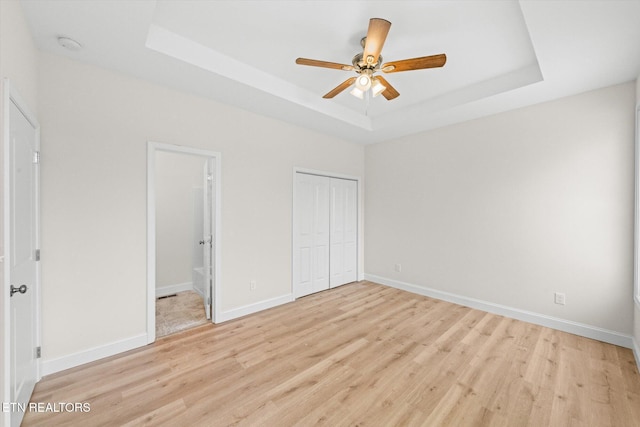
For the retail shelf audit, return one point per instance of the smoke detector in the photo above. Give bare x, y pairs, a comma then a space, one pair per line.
69, 43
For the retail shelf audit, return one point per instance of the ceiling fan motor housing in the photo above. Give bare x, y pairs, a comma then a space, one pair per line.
360, 64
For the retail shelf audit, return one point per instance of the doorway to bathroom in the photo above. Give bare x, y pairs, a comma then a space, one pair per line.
182, 217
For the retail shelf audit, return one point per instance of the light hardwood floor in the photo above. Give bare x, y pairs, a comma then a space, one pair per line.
362, 354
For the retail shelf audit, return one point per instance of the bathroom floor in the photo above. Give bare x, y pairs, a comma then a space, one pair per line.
178, 312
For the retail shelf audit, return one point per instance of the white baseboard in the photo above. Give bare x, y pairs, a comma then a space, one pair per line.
51, 366
253, 308
173, 289
564, 325
198, 291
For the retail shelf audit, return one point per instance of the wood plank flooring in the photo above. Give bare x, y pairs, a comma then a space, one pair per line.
362, 354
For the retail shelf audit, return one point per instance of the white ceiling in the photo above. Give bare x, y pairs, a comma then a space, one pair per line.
501, 54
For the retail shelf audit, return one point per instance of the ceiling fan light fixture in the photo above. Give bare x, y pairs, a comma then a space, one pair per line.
363, 82
377, 88
367, 63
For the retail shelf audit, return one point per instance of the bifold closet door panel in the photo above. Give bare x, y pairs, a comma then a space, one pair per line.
311, 231
344, 231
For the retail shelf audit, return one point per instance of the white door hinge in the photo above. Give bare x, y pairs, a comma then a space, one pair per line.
38, 352
37, 255
36, 157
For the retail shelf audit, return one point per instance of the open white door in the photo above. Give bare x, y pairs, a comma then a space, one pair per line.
207, 237
22, 254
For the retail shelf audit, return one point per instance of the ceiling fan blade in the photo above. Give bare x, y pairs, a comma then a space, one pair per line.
390, 92
342, 86
323, 64
432, 61
376, 35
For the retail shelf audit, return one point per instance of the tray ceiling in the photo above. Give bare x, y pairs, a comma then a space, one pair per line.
500, 54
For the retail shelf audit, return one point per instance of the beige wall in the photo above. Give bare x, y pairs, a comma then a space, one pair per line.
96, 124
18, 62
18, 55
511, 208
176, 177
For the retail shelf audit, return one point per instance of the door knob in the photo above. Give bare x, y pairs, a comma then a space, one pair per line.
22, 289
201, 242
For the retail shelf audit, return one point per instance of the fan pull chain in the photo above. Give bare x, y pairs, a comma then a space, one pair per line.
367, 102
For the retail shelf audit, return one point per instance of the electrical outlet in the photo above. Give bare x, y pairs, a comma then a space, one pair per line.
252, 285
398, 268
559, 298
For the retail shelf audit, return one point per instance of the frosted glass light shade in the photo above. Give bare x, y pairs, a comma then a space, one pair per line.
357, 93
377, 88
363, 82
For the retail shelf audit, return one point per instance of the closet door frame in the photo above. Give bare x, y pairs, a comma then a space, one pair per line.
359, 207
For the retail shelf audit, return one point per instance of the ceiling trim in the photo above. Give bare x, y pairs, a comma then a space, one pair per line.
174, 45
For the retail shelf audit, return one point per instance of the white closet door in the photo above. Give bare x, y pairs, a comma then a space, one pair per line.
343, 228
311, 234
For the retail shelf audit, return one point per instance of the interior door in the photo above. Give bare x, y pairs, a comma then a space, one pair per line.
207, 238
311, 235
22, 257
344, 231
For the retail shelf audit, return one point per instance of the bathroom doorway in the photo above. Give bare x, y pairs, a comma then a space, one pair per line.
182, 246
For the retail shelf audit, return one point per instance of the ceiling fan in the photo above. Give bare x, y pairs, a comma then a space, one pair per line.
367, 63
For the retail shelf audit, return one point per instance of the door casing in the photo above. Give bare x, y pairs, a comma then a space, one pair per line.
152, 148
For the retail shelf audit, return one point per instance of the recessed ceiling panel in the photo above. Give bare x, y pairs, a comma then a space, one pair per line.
487, 46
